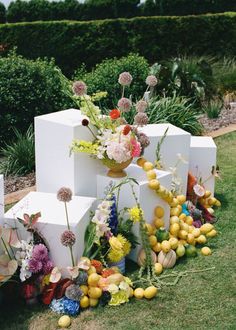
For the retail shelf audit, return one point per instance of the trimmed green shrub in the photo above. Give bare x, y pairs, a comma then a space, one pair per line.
2, 13
27, 89
155, 38
105, 78
19, 155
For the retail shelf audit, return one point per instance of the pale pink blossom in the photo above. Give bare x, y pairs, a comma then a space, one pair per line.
141, 106
124, 104
125, 79
136, 148
151, 81
79, 88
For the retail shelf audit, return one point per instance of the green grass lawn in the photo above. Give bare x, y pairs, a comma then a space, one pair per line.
199, 301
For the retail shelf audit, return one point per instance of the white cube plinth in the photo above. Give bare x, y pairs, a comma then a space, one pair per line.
1, 199
53, 222
177, 141
147, 198
202, 159
55, 168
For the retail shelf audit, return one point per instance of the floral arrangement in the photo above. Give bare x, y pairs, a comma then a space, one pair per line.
114, 140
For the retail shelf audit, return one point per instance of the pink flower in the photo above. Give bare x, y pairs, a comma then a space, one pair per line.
151, 80
199, 190
35, 266
125, 79
79, 88
40, 252
136, 148
124, 104
47, 267
141, 106
141, 119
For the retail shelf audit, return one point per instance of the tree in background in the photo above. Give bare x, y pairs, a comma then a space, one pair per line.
2, 13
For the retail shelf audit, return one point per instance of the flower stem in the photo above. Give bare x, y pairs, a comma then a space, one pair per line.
5, 246
72, 257
67, 218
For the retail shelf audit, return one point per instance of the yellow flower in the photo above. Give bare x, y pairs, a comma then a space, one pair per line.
98, 96
126, 246
115, 255
84, 146
115, 244
135, 213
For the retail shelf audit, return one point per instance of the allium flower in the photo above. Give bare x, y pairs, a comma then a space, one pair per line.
151, 80
126, 129
125, 79
79, 88
47, 267
68, 238
74, 292
141, 119
85, 122
141, 106
114, 114
40, 252
144, 140
35, 266
124, 104
64, 194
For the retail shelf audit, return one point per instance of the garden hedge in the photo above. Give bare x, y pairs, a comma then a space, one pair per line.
72, 43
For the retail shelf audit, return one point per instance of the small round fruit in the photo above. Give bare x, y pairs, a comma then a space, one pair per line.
84, 302
174, 219
183, 234
147, 166
217, 203
201, 239
131, 292
157, 248
196, 232
181, 199
173, 242
174, 229
189, 220
184, 226
152, 240
159, 212
206, 228
190, 229
211, 201
93, 302
182, 216
94, 292
190, 239
158, 222
151, 175
150, 292
174, 211
206, 251
165, 246
212, 233
190, 251
141, 161
149, 228
175, 202
158, 268
167, 260
180, 251
154, 184
179, 207
207, 194
64, 321
139, 293
92, 270
93, 279
84, 289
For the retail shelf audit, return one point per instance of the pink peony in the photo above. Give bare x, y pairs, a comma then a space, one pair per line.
151, 80
141, 106
136, 148
125, 79
124, 104
118, 151
79, 88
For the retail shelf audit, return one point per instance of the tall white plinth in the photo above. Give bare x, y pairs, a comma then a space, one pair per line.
176, 142
202, 159
55, 167
147, 198
1, 199
53, 222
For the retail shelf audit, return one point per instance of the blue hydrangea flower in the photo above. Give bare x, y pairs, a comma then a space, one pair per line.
71, 307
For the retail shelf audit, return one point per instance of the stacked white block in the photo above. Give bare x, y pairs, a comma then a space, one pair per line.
202, 159
53, 222
175, 144
1, 199
147, 198
55, 167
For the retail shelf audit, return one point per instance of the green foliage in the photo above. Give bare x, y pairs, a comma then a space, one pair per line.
27, 89
73, 43
225, 74
175, 110
19, 156
105, 78
2, 13
213, 108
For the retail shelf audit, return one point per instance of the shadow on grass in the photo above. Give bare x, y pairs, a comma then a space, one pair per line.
223, 199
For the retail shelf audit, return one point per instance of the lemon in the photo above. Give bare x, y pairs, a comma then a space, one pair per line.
174, 211
179, 207
182, 242
84, 302
158, 222
150, 292
180, 251
196, 232
92, 270
157, 247
152, 240
201, 239
189, 220
165, 246
206, 251
154, 184
217, 203
175, 202
94, 292
207, 194
84, 289
141, 161
184, 226
131, 292
191, 229
183, 234
206, 228
147, 166
174, 229
151, 175
191, 239
64, 321
173, 242
93, 279
159, 212
93, 302
158, 268
182, 216
181, 199
174, 219
139, 293
212, 233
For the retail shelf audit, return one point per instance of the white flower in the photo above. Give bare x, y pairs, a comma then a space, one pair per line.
113, 288
199, 190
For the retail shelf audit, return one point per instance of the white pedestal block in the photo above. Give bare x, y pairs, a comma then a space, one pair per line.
147, 198
1, 199
202, 158
177, 141
53, 222
55, 168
